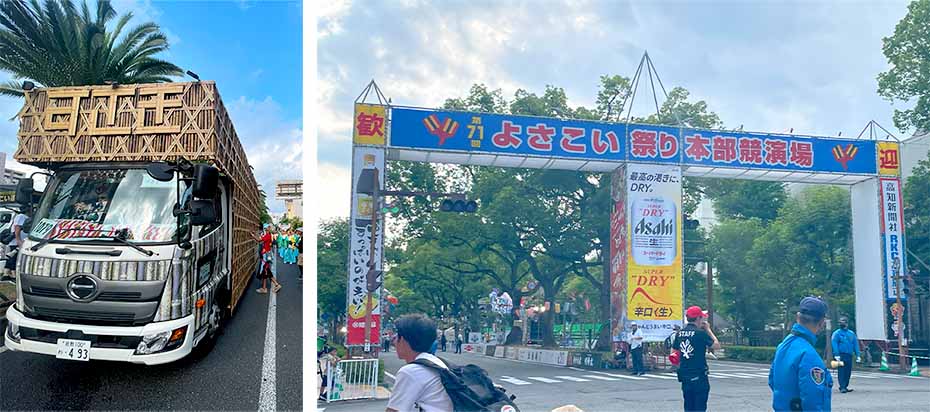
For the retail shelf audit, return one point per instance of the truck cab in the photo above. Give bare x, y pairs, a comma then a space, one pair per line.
124, 262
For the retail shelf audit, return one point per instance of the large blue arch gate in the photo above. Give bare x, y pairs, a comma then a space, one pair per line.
647, 163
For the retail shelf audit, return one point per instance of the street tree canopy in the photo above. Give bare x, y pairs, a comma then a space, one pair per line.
908, 52
60, 45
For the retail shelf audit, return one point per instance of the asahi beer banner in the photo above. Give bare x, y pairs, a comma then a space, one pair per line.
618, 250
360, 250
892, 234
577, 139
654, 248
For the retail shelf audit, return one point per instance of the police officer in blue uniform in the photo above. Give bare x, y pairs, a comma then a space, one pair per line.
798, 377
845, 344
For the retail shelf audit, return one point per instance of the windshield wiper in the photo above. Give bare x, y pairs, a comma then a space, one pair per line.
120, 237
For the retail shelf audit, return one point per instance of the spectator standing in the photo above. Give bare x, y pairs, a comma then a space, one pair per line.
458, 343
692, 343
845, 344
636, 349
19, 236
417, 387
442, 341
798, 377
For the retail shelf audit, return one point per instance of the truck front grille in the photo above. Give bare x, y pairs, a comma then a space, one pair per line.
90, 318
96, 341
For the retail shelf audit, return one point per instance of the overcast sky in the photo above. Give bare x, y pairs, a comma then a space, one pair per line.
767, 65
253, 52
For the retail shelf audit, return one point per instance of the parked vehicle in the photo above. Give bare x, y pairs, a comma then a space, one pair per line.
140, 247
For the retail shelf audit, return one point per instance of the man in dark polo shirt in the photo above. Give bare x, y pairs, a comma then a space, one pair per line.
692, 342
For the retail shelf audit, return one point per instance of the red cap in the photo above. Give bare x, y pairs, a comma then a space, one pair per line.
695, 312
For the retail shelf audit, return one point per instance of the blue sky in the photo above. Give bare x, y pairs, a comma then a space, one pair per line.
769, 66
253, 50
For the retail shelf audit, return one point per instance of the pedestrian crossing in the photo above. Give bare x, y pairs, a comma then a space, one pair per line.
579, 375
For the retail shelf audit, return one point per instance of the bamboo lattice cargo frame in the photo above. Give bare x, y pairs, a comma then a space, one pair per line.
146, 122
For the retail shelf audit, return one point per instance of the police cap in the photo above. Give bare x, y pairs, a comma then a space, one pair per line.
813, 306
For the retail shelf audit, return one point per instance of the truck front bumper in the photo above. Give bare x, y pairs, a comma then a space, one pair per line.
16, 317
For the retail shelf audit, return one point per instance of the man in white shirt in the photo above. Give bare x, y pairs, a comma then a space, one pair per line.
19, 235
417, 387
636, 349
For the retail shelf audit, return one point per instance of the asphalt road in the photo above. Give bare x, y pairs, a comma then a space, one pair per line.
734, 387
227, 377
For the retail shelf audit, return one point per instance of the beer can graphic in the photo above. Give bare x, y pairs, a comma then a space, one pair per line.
654, 227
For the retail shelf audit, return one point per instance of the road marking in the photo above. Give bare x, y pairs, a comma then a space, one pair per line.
543, 380
747, 375
635, 378
267, 400
514, 381
719, 376
727, 375
573, 379
577, 369
660, 377
603, 378
388, 374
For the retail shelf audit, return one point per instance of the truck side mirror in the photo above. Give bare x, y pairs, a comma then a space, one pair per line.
24, 191
206, 181
203, 213
161, 171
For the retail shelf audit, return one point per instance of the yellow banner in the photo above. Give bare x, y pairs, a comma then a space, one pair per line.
888, 158
654, 249
369, 126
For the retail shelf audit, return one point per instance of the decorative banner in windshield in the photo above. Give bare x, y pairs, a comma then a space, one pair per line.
80, 229
518, 136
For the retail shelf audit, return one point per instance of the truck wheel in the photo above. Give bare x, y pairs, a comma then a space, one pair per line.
219, 313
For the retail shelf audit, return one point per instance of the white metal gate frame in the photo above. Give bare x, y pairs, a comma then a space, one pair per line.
351, 379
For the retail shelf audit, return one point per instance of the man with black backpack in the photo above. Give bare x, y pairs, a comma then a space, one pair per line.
427, 383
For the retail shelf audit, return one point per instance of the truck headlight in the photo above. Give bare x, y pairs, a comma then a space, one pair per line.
13, 333
162, 341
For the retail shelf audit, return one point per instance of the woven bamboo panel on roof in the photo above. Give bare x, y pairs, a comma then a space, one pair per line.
146, 122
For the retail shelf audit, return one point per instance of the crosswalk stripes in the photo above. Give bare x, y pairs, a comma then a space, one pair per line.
657, 376
572, 378
617, 375
543, 380
515, 381
598, 377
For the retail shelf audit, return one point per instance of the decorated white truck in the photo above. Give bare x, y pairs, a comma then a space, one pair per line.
141, 245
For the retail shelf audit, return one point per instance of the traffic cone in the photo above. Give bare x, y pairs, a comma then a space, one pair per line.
884, 365
914, 370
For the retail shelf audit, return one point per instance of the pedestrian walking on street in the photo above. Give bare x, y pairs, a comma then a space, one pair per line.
417, 387
442, 341
636, 349
798, 377
845, 344
458, 343
692, 344
264, 270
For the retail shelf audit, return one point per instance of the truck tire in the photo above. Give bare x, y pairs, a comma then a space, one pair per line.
219, 313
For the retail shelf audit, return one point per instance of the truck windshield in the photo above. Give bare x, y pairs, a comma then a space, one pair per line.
89, 204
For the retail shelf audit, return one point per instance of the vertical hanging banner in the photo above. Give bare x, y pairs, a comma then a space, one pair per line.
892, 234
654, 282
618, 251
370, 124
360, 250
888, 155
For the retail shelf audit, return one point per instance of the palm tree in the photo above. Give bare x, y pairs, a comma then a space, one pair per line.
56, 45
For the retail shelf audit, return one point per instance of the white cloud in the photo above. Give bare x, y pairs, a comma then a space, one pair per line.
334, 183
330, 15
272, 143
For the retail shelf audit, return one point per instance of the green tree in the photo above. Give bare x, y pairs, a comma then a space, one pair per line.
59, 45
745, 199
908, 53
331, 260
746, 300
917, 223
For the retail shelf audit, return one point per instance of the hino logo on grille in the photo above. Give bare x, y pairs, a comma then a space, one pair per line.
83, 288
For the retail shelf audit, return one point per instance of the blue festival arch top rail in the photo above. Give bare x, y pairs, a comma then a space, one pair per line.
647, 163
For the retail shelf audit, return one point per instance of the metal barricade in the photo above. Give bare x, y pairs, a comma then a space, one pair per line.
352, 379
